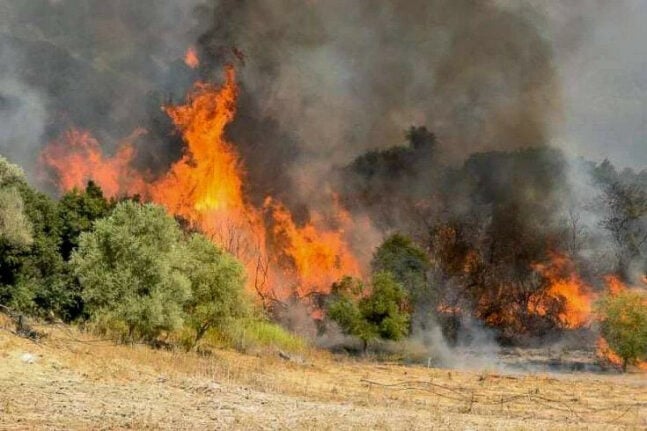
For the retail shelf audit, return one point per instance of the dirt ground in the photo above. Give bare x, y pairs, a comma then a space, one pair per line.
71, 380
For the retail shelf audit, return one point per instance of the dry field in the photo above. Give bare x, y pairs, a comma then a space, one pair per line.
73, 381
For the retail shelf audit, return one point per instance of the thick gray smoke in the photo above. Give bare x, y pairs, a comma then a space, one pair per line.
345, 77
91, 64
22, 112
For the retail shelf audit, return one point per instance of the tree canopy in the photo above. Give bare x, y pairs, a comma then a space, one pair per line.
130, 267
624, 325
379, 312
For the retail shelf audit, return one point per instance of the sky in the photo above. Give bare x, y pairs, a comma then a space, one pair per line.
603, 77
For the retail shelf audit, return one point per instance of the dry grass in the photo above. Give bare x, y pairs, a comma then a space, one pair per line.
78, 382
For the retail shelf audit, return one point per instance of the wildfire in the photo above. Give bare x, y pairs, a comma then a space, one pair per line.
76, 157
319, 257
208, 177
567, 293
602, 350
191, 58
614, 284
205, 187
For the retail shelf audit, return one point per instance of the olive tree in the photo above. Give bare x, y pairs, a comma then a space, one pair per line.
131, 270
382, 312
217, 285
624, 325
14, 224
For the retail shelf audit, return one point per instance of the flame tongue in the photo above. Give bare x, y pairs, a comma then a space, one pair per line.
566, 292
208, 177
77, 158
205, 187
191, 58
318, 257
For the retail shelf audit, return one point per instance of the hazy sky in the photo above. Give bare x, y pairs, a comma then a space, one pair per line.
604, 78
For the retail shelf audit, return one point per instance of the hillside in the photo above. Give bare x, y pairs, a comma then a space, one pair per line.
71, 380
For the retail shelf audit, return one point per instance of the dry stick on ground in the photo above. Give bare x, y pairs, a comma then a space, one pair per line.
472, 398
22, 328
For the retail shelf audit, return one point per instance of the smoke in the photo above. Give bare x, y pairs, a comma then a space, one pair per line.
325, 81
94, 65
22, 112
345, 77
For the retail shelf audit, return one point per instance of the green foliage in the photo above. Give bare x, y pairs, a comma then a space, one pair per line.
382, 313
407, 262
247, 335
32, 273
624, 325
14, 225
131, 270
217, 285
386, 307
77, 211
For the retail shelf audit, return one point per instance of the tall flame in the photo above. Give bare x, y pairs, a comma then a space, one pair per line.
319, 257
205, 187
208, 177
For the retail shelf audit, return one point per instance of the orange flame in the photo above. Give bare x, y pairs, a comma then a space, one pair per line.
604, 352
208, 177
191, 58
567, 291
205, 187
319, 257
614, 284
76, 157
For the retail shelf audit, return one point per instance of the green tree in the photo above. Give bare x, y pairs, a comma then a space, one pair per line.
77, 211
408, 263
130, 267
31, 268
382, 313
14, 225
217, 286
624, 325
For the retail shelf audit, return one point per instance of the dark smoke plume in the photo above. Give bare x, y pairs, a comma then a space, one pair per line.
349, 77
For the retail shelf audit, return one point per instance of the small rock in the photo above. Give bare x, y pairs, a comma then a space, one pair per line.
28, 358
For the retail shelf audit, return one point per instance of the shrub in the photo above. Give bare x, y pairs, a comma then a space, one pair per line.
381, 313
252, 335
217, 286
130, 267
77, 210
624, 325
32, 272
408, 264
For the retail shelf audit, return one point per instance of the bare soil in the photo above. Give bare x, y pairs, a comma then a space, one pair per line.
71, 380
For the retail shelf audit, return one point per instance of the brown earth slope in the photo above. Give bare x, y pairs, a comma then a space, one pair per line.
71, 381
